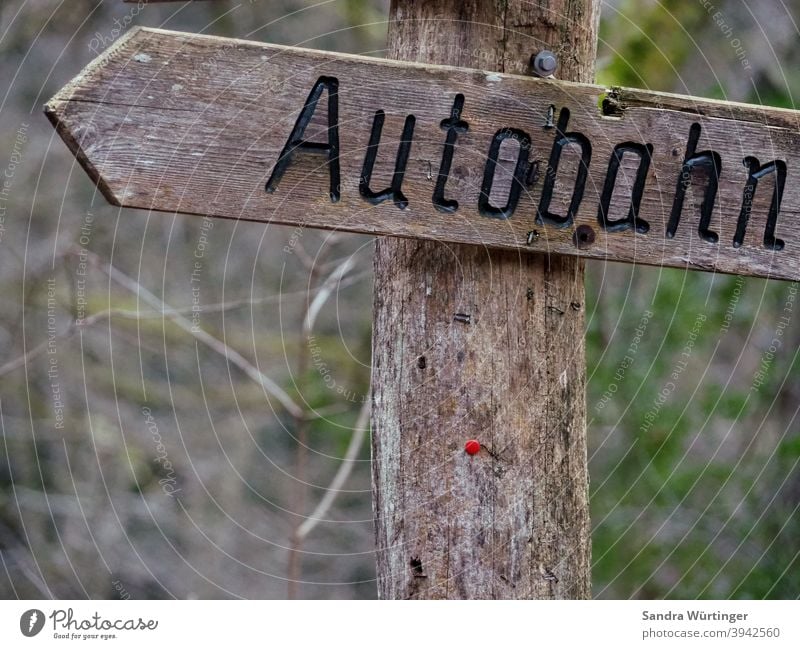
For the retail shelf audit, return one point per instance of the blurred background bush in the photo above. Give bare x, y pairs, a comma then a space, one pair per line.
137, 460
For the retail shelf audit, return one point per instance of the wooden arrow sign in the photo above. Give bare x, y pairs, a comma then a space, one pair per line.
222, 127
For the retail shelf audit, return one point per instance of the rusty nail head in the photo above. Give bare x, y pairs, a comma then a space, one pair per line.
583, 237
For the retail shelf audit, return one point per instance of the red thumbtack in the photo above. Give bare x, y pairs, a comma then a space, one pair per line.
472, 446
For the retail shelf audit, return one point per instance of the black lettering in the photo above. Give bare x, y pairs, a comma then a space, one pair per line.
562, 139
632, 220
394, 191
712, 162
298, 144
517, 182
453, 125
756, 172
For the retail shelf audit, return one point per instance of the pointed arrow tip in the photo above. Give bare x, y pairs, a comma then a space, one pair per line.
55, 110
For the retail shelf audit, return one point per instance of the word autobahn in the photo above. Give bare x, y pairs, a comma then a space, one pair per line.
523, 177
366, 145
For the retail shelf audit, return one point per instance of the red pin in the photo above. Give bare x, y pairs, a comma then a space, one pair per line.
472, 446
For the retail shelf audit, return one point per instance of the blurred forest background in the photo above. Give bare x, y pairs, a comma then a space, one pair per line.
141, 460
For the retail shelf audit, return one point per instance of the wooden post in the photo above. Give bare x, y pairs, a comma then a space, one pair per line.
508, 371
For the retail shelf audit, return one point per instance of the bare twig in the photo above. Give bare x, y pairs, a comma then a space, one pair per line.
14, 363
312, 310
303, 256
222, 306
19, 558
324, 292
76, 326
203, 336
345, 468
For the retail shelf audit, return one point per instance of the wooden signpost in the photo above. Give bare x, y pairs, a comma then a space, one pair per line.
511, 164
334, 141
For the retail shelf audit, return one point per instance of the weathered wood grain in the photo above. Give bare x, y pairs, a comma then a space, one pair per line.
188, 123
472, 343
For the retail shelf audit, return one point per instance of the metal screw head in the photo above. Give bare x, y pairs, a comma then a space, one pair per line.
544, 63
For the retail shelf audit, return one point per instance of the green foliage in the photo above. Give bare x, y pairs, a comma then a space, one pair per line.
696, 493
649, 41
